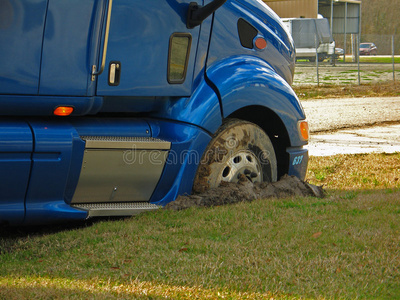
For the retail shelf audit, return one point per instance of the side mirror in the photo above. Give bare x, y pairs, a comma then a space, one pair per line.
197, 14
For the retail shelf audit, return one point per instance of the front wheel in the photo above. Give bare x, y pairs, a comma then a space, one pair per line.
239, 148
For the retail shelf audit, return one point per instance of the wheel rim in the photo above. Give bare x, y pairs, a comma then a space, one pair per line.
241, 163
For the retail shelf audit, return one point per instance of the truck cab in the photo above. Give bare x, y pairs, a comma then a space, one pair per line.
114, 107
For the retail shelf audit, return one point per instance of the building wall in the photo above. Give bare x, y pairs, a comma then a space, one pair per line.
294, 8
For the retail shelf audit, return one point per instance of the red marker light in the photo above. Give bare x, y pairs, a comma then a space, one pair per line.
261, 43
63, 111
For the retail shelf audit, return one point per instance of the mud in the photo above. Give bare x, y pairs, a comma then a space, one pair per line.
201, 184
246, 191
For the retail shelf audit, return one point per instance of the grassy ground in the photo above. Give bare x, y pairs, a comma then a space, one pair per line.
373, 59
365, 90
358, 172
366, 59
346, 246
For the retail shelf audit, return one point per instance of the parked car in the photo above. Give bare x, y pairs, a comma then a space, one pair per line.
368, 49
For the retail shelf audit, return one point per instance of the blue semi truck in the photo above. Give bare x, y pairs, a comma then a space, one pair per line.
111, 108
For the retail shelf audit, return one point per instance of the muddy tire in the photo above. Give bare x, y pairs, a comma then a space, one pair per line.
238, 150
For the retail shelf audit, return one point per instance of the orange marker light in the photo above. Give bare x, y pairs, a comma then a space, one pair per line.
304, 131
63, 111
260, 43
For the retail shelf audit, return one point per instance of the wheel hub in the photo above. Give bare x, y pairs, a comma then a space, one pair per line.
242, 163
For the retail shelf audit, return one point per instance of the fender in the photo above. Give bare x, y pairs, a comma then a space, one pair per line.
188, 144
247, 80
202, 109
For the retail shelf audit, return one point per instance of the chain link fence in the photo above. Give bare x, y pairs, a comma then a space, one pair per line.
356, 60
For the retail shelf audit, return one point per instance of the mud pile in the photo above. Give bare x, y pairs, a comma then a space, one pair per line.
245, 190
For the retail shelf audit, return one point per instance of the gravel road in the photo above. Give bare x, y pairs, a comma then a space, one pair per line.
333, 114
353, 125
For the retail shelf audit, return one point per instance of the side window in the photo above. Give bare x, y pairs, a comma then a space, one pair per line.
178, 57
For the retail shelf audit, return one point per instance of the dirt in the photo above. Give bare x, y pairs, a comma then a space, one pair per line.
246, 191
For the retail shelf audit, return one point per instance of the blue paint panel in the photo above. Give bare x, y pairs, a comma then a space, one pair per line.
126, 127
12, 105
202, 50
139, 39
57, 161
279, 53
72, 29
202, 109
78, 147
58, 156
246, 80
298, 162
15, 165
188, 145
21, 35
131, 104
56, 144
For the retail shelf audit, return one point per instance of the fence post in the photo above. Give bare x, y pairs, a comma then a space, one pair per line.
358, 57
394, 70
316, 59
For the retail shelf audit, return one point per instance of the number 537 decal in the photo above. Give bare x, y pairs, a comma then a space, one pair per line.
297, 160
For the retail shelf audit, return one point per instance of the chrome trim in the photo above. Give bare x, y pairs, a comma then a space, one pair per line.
107, 142
104, 54
116, 209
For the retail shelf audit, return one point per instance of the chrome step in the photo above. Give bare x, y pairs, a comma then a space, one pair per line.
116, 209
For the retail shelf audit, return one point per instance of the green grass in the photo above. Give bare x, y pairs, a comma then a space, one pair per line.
373, 59
366, 59
345, 246
356, 172
349, 72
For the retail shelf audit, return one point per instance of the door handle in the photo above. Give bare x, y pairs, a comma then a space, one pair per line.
114, 73
105, 45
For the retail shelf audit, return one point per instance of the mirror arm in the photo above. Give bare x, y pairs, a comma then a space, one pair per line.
197, 14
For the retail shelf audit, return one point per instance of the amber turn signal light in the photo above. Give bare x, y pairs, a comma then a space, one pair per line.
304, 130
63, 111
